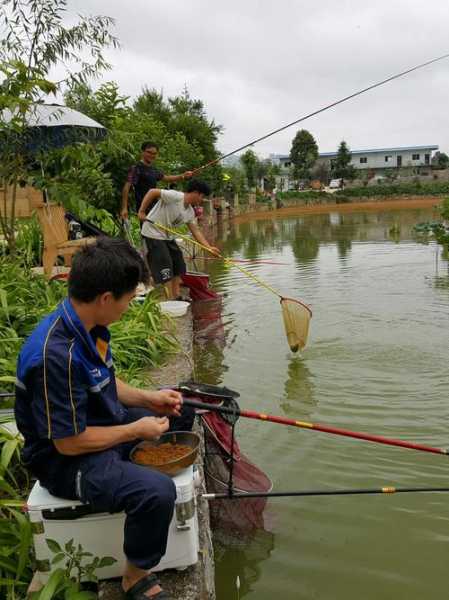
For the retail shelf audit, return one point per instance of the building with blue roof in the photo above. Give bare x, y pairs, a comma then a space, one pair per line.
374, 160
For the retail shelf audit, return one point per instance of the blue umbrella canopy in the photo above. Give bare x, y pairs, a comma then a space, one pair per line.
51, 126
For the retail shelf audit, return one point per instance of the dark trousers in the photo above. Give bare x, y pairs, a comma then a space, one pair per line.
109, 482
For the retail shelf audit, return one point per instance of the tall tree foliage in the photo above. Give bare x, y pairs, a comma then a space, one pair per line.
179, 125
250, 164
303, 154
35, 40
341, 167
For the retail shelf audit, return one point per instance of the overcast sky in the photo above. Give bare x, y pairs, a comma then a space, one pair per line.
259, 64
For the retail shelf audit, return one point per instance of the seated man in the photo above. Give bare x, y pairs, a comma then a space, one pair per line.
79, 421
172, 209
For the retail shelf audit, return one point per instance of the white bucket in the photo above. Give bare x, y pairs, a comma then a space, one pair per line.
174, 308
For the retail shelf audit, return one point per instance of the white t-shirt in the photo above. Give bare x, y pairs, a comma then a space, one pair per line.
169, 211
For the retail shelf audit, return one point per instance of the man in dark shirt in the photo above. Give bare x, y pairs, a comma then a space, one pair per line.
79, 421
144, 176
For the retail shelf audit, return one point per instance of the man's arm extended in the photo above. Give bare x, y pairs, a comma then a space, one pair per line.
149, 197
199, 236
175, 178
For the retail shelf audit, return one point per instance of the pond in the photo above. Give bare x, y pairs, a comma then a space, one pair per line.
376, 361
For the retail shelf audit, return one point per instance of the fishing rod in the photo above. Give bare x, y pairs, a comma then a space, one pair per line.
296, 315
225, 259
235, 412
320, 110
388, 490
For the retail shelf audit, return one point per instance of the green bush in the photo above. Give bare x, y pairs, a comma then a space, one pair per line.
415, 189
15, 528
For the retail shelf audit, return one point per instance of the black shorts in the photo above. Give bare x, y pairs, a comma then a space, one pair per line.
165, 259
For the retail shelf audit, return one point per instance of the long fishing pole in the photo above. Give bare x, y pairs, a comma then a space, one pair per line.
249, 414
320, 110
389, 490
228, 261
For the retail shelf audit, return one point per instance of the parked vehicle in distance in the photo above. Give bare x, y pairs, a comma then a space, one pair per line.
335, 184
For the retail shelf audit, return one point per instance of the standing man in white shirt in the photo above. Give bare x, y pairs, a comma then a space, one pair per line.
171, 209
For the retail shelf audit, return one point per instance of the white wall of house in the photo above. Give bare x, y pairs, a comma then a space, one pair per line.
392, 158
373, 159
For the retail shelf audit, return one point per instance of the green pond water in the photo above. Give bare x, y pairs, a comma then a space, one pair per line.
376, 361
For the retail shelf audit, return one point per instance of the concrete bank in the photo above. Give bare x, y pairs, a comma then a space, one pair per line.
196, 582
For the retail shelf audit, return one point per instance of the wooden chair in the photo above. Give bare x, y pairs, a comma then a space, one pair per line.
56, 241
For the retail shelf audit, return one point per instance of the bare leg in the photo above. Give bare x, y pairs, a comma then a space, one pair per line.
176, 286
173, 288
132, 575
169, 290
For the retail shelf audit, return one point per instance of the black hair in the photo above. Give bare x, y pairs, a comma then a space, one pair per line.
107, 265
196, 185
146, 145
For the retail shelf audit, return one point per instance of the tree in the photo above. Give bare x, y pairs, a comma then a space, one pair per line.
179, 125
321, 171
250, 162
440, 160
303, 154
341, 167
34, 42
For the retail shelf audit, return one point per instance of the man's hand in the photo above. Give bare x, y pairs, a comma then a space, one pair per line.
124, 214
150, 428
214, 250
166, 402
142, 216
187, 174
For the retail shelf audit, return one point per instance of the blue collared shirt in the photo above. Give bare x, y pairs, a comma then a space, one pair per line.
65, 383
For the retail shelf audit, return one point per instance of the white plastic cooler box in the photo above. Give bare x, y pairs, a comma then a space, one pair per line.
102, 533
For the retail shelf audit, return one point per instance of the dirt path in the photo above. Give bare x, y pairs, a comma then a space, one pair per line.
402, 203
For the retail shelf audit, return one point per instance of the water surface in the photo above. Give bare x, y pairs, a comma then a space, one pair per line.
376, 361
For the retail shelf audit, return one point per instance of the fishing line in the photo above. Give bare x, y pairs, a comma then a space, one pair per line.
324, 108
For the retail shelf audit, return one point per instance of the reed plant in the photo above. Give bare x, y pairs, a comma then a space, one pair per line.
15, 528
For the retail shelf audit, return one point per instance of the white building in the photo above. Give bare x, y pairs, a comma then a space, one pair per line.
375, 160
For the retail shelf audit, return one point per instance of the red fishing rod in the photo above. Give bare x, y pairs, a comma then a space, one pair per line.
234, 412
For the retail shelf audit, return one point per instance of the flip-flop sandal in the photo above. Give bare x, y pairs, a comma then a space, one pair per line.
137, 591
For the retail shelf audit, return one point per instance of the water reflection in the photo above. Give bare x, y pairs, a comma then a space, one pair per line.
299, 389
209, 340
244, 562
380, 321
305, 234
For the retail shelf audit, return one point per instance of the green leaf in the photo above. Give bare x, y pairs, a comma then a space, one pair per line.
106, 561
57, 558
53, 584
53, 545
4, 302
8, 450
84, 595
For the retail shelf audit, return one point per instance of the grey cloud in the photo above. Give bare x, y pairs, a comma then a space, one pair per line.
259, 64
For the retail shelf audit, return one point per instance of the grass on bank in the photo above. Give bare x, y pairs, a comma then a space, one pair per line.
418, 188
